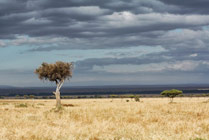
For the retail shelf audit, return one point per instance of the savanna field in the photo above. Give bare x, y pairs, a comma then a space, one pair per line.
103, 119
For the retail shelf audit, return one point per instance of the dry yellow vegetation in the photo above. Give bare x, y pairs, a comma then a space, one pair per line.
95, 119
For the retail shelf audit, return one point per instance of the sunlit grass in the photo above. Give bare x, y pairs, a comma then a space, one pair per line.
95, 119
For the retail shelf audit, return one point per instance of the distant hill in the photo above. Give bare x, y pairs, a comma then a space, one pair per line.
103, 90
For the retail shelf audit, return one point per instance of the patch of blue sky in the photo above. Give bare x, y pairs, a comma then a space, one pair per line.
18, 57
205, 27
179, 30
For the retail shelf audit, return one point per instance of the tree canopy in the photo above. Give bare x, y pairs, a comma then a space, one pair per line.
55, 72
171, 93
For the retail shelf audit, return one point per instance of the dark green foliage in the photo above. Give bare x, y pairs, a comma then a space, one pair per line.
127, 100
171, 93
131, 96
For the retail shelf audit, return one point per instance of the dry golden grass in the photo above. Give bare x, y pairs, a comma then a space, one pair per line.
95, 119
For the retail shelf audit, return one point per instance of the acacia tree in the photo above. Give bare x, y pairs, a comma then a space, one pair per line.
58, 73
171, 93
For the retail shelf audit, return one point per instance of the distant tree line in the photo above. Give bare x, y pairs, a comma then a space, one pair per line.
112, 96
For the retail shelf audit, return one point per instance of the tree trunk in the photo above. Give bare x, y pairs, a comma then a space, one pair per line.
171, 100
58, 100
57, 94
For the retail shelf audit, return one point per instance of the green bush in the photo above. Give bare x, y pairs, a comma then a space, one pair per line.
137, 98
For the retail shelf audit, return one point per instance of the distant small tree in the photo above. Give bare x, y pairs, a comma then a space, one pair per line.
25, 96
137, 98
171, 93
17, 96
31, 96
58, 73
131, 96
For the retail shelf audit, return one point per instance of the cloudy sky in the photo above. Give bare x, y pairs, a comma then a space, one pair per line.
111, 42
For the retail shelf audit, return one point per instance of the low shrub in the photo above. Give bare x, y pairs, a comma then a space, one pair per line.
137, 98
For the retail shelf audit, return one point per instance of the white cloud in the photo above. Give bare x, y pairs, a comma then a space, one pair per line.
128, 19
82, 10
34, 41
153, 67
37, 21
2, 44
194, 55
182, 65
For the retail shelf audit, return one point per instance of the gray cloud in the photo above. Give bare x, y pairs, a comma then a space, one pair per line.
92, 19
189, 46
188, 6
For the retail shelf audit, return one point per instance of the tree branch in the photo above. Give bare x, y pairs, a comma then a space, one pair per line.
61, 83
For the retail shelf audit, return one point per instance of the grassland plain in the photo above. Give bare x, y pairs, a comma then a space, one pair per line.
101, 119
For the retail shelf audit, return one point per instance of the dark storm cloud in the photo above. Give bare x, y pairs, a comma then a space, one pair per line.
190, 6
84, 19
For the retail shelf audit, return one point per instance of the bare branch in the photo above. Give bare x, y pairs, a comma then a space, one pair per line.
61, 83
